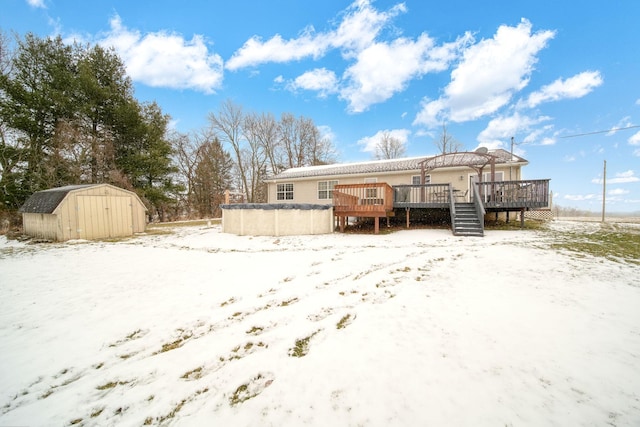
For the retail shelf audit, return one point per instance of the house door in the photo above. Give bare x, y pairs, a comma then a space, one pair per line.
486, 177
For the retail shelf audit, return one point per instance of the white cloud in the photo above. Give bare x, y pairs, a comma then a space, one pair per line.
573, 87
37, 3
636, 153
634, 139
369, 143
383, 69
164, 59
488, 75
499, 131
582, 197
276, 49
378, 69
321, 80
617, 192
359, 27
620, 178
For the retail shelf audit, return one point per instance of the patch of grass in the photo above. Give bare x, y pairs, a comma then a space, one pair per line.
501, 224
610, 242
289, 302
301, 347
193, 374
229, 301
178, 407
47, 393
111, 384
345, 321
255, 330
247, 391
175, 344
75, 421
96, 413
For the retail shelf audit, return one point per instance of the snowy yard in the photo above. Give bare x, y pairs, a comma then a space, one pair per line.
417, 327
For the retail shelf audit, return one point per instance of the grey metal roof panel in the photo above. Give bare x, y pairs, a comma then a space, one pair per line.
377, 166
46, 201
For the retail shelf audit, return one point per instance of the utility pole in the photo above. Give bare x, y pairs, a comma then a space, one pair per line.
604, 188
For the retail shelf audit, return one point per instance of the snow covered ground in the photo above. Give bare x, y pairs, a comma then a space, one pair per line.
417, 327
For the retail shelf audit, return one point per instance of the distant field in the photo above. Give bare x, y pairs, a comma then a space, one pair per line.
624, 219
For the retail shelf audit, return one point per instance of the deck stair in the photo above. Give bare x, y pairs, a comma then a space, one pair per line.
466, 221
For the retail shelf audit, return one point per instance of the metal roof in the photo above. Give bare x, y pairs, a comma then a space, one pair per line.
380, 166
377, 166
46, 201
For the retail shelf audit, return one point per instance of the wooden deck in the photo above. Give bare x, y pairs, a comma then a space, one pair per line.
514, 195
378, 200
498, 195
371, 200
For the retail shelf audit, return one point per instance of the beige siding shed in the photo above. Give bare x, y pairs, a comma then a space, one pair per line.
93, 211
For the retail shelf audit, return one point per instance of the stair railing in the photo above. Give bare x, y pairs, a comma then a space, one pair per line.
477, 200
452, 209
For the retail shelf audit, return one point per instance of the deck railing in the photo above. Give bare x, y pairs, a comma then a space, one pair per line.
524, 193
370, 199
417, 195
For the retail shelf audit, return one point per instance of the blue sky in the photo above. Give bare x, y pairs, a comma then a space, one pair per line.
541, 72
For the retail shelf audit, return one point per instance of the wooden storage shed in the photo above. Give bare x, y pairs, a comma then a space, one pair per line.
92, 211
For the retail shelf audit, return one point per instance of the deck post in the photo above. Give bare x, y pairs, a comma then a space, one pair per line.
377, 225
342, 221
522, 218
407, 211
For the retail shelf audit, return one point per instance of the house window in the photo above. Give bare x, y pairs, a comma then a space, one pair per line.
284, 192
415, 179
371, 193
486, 177
325, 189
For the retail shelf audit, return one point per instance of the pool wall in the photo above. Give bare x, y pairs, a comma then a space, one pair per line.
277, 219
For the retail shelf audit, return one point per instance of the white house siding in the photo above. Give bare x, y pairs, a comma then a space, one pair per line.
305, 190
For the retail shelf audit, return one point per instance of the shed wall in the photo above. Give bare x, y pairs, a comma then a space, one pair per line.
100, 212
41, 226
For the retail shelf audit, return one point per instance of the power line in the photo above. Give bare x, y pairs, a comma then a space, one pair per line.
600, 131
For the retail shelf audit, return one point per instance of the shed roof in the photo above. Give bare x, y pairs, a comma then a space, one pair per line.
46, 201
379, 166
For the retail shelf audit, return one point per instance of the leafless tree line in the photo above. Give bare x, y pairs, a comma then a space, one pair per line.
238, 151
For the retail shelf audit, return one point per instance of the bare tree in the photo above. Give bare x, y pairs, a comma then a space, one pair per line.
227, 124
389, 147
255, 156
447, 143
263, 128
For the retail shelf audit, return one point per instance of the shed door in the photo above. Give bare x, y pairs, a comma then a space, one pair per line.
104, 216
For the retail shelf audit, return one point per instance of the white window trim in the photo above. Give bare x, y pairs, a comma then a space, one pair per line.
328, 190
284, 192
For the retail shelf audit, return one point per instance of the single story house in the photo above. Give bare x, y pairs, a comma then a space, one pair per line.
91, 211
314, 184
480, 181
